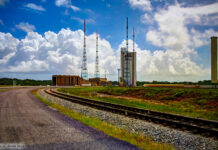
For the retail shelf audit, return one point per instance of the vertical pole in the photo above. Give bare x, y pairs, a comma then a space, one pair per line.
97, 74
84, 72
127, 61
133, 40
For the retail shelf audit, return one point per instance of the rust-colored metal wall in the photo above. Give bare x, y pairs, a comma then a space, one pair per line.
66, 80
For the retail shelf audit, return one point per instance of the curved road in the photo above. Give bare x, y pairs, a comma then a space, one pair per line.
26, 120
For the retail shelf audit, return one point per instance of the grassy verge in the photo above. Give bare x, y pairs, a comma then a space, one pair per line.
136, 139
200, 103
2, 90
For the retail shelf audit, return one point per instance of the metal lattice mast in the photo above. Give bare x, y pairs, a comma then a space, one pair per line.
84, 72
127, 71
133, 40
97, 73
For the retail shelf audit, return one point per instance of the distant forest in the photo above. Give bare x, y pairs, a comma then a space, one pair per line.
205, 82
9, 81
27, 82
141, 83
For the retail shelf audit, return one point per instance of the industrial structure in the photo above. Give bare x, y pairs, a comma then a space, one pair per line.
214, 60
128, 63
126, 74
66, 80
84, 71
97, 73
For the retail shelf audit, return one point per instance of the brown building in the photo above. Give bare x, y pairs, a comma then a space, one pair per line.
214, 60
66, 80
100, 82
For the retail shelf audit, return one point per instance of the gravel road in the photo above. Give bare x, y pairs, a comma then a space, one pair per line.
26, 120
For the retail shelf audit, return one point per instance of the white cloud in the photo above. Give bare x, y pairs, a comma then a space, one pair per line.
67, 4
61, 53
25, 26
144, 5
34, 7
146, 19
30, 66
6, 58
168, 65
75, 8
173, 32
3, 2
62, 3
8, 47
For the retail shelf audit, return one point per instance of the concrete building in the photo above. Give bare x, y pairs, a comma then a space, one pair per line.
66, 80
214, 60
128, 68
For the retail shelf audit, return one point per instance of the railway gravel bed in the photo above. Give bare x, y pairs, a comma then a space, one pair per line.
181, 140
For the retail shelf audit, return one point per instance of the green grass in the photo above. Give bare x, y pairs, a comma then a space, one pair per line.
2, 90
188, 102
136, 139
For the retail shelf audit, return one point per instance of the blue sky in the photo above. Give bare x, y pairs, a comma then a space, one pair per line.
45, 37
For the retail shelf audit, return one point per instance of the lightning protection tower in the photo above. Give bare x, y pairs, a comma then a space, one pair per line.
97, 73
84, 71
127, 46
133, 39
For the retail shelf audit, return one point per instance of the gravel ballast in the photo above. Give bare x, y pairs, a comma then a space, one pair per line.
181, 140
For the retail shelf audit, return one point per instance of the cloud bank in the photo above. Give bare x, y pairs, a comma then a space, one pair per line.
61, 53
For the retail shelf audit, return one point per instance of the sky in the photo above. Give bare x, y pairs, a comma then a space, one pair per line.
45, 37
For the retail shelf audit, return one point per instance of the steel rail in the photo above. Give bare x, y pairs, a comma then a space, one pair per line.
206, 128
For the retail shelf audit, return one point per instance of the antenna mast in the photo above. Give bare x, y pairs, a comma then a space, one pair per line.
97, 73
84, 72
127, 58
133, 40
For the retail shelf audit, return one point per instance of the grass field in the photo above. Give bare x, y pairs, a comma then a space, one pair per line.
193, 102
136, 139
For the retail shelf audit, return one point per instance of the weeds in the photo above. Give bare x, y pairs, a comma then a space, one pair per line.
136, 139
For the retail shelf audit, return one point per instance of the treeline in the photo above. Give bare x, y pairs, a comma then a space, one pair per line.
25, 82
205, 82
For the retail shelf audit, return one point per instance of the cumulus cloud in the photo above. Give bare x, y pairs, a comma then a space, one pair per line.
8, 47
61, 53
34, 7
173, 31
144, 5
168, 65
25, 26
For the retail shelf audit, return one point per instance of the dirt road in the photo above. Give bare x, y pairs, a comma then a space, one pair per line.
26, 120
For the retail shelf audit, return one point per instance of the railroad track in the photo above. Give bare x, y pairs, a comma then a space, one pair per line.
197, 126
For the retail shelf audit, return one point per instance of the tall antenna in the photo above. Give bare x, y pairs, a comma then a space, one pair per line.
127, 71
127, 34
105, 74
97, 73
133, 40
84, 72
